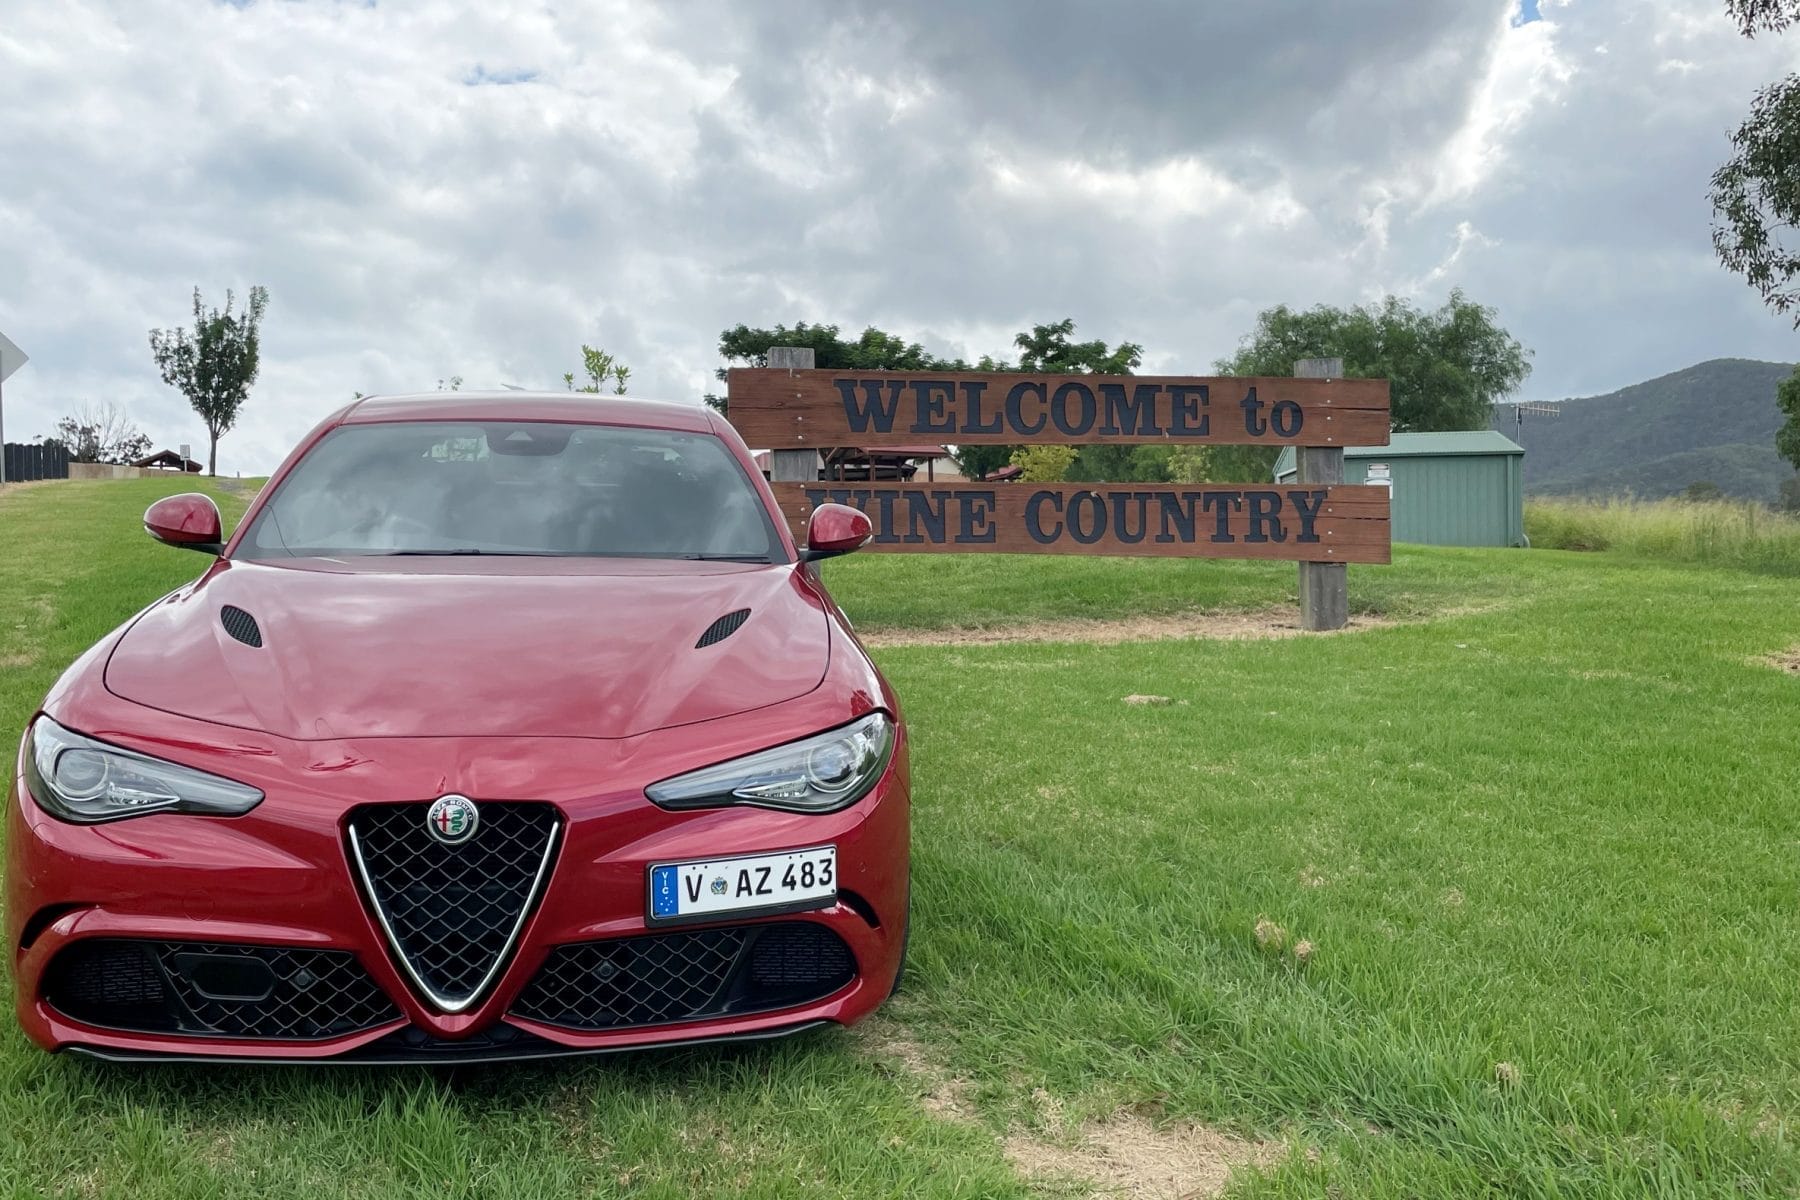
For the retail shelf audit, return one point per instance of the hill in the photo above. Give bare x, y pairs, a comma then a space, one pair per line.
1714, 421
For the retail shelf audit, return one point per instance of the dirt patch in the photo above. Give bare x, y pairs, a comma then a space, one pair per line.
1125, 1155
1786, 660
1231, 626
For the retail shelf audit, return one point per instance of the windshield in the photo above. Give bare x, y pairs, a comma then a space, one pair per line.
524, 487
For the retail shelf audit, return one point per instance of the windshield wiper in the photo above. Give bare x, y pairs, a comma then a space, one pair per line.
471, 550
750, 558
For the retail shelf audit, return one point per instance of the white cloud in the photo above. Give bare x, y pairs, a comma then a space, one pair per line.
432, 189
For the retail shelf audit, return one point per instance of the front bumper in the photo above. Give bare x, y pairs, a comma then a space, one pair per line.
279, 878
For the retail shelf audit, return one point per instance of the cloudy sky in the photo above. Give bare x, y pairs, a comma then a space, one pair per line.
432, 188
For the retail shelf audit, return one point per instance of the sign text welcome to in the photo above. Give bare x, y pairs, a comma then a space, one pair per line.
785, 409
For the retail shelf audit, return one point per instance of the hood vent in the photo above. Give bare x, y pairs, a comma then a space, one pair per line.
722, 628
241, 625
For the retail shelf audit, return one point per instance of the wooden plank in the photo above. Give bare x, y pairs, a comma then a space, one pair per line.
1332, 525
1324, 586
801, 466
781, 408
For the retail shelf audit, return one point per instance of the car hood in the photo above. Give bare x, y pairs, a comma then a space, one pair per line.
436, 647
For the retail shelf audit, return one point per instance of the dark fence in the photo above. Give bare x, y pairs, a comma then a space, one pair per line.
35, 462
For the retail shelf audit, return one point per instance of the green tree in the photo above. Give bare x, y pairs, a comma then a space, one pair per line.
1048, 350
1447, 366
1043, 464
1756, 196
874, 350
1044, 349
1787, 499
214, 365
1756, 193
1191, 464
598, 368
1787, 438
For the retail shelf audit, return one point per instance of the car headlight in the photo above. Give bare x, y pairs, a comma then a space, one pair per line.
84, 781
822, 773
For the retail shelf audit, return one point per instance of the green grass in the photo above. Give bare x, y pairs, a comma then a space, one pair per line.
1725, 532
1556, 831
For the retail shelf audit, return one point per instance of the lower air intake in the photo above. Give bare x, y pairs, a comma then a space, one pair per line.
664, 977
208, 990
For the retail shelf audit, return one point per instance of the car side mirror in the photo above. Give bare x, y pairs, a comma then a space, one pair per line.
189, 520
835, 529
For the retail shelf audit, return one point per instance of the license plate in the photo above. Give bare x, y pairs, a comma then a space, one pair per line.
749, 883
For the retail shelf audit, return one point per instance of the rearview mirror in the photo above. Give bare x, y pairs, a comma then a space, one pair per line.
835, 529
189, 520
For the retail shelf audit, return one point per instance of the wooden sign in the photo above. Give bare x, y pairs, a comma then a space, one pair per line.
1336, 524
786, 409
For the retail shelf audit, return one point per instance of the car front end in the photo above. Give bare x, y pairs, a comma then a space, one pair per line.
460, 807
195, 935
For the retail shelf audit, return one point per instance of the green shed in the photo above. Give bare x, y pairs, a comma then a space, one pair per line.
1449, 489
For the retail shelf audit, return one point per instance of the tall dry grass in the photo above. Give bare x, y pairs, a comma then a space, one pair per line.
1723, 532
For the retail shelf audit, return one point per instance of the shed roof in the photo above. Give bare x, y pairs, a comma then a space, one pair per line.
1422, 445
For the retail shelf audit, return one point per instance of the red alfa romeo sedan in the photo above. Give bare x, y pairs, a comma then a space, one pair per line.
504, 726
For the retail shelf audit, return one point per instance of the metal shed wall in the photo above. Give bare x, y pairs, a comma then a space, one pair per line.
1449, 489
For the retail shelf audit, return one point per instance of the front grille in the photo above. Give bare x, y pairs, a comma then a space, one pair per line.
192, 988
453, 913
663, 977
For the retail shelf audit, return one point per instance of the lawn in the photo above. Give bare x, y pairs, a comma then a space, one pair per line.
1538, 837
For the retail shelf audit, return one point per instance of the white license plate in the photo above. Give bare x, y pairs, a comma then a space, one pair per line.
788, 881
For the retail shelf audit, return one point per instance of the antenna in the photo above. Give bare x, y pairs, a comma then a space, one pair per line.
1536, 409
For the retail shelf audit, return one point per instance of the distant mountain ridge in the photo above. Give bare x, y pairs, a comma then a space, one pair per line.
1712, 421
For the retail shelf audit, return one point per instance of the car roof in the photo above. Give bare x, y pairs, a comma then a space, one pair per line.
572, 407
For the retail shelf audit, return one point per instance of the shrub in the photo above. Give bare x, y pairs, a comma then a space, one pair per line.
1723, 532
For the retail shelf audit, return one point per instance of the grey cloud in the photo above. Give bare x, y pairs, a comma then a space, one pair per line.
954, 172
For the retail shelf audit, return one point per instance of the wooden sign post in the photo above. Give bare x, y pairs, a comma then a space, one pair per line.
1318, 521
1324, 586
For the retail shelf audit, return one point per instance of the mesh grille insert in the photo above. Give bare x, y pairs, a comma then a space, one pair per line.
148, 987
722, 628
663, 977
452, 913
240, 625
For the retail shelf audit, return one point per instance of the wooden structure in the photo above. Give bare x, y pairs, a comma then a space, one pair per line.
1318, 521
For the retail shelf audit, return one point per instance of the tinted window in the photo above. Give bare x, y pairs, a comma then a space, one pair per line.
515, 488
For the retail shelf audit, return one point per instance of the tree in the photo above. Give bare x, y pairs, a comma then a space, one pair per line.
1756, 196
874, 350
215, 365
1787, 499
1045, 349
1787, 438
1769, 16
1048, 350
1447, 367
1191, 464
597, 366
101, 434
1043, 464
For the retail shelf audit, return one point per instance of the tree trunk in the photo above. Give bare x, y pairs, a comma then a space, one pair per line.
212, 453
